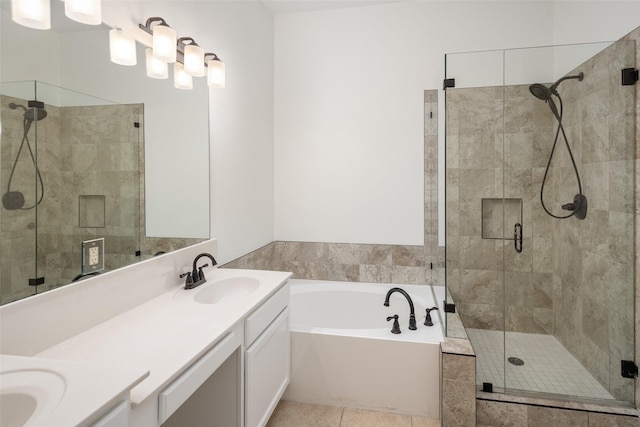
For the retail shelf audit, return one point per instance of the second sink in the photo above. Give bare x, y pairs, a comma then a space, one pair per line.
225, 289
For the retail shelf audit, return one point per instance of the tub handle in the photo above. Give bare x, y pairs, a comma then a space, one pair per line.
396, 326
427, 319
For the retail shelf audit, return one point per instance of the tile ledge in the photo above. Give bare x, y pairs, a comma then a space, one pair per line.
613, 408
460, 346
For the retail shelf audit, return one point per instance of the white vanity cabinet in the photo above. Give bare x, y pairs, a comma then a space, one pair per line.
267, 358
118, 416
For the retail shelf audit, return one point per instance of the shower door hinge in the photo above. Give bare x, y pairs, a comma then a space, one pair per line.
35, 104
629, 76
629, 369
448, 83
37, 281
449, 308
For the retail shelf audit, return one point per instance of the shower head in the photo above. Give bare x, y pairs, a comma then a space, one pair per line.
32, 114
544, 93
540, 91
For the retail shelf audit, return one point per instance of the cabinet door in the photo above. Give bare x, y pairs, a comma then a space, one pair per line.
267, 367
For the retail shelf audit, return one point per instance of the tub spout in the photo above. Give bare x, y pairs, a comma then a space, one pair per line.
412, 314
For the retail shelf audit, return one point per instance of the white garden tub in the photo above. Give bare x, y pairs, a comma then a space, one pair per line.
344, 354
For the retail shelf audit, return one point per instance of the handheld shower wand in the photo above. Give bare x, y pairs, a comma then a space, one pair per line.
578, 207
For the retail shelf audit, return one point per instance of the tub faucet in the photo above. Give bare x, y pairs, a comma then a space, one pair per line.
412, 314
196, 277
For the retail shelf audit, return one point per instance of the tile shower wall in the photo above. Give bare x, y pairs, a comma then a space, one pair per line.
573, 277
89, 161
368, 263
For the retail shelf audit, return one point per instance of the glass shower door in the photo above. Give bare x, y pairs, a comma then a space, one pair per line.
543, 284
21, 190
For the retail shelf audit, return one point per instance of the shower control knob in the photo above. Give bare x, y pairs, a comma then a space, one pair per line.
396, 326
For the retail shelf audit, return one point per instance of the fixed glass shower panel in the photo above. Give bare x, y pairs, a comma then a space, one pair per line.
540, 201
71, 178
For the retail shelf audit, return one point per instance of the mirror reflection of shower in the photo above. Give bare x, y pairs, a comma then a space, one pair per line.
14, 200
578, 207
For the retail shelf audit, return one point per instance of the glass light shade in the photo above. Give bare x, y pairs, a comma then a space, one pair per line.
181, 79
156, 69
31, 13
164, 43
216, 73
84, 11
122, 48
194, 60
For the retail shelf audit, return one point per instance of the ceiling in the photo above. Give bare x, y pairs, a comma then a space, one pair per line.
278, 7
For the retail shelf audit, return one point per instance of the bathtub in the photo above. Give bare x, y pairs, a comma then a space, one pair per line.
344, 354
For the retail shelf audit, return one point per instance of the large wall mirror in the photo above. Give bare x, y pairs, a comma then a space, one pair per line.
91, 150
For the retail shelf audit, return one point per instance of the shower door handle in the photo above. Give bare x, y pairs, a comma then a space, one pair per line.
517, 237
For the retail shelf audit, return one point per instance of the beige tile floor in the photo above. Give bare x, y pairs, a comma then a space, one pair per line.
294, 414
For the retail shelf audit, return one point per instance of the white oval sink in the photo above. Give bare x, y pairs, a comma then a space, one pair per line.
29, 395
225, 290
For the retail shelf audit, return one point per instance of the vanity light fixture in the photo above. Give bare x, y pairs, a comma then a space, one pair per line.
32, 13
193, 56
189, 59
156, 69
181, 80
216, 71
84, 11
122, 47
164, 39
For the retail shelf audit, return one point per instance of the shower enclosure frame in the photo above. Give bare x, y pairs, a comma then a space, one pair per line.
471, 263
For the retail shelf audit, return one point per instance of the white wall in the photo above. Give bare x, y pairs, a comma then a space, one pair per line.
241, 115
348, 113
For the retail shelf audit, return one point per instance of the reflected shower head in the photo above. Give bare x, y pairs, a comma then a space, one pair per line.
32, 114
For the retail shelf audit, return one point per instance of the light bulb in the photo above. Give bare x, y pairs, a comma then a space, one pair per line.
194, 60
216, 73
84, 11
164, 43
31, 13
122, 48
181, 79
156, 69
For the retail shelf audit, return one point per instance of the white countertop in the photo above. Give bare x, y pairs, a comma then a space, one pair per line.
84, 391
166, 334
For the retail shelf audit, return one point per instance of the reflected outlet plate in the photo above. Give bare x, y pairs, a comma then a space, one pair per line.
92, 255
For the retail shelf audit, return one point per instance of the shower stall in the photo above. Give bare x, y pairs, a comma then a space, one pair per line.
70, 171
539, 190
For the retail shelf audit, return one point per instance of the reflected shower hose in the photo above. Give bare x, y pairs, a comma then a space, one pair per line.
26, 125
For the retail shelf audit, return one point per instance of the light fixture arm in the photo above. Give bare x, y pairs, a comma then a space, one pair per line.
215, 57
191, 41
147, 26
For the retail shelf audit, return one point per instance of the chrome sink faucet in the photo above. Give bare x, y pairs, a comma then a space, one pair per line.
412, 314
195, 277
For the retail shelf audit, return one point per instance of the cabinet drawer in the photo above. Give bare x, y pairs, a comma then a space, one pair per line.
264, 315
183, 387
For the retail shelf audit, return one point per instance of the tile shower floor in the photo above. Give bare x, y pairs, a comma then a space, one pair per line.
548, 366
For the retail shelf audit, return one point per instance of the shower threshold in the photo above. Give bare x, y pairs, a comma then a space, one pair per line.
547, 366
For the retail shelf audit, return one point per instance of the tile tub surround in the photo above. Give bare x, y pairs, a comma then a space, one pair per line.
362, 262
458, 383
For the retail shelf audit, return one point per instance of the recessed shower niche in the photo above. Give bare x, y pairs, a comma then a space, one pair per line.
498, 215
